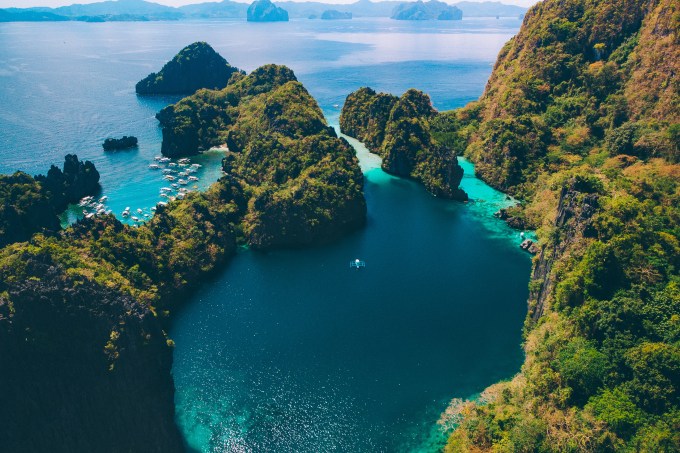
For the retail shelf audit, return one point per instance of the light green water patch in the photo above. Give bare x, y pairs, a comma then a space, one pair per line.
367, 160
484, 202
143, 190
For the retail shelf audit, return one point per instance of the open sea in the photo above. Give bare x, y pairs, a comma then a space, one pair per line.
291, 350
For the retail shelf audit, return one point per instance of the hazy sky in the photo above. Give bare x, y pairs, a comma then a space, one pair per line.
53, 3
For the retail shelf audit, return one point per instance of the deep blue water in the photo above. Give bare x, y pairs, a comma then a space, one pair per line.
293, 350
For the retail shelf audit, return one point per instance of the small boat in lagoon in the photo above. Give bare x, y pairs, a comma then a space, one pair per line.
357, 263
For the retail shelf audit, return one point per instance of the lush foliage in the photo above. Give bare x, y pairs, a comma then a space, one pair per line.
83, 312
30, 205
303, 182
25, 208
194, 67
398, 129
570, 122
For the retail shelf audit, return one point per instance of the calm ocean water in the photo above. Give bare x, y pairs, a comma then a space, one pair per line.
292, 350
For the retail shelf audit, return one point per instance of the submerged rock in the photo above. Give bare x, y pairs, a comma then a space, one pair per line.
529, 246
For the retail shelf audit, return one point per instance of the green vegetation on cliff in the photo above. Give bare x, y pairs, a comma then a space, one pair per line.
82, 319
398, 129
580, 119
194, 67
304, 182
29, 205
83, 312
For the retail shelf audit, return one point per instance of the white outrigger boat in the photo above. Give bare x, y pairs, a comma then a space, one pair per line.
357, 263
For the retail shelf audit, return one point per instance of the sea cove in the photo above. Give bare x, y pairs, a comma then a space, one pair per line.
292, 350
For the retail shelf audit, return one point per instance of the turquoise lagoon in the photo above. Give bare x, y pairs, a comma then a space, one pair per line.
292, 350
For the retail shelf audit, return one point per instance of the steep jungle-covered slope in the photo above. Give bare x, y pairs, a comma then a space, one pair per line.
581, 120
194, 67
84, 358
304, 181
398, 129
30, 205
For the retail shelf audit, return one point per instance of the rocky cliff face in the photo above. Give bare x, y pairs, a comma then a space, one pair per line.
206, 119
84, 367
266, 11
305, 182
398, 129
84, 360
194, 67
571, 122
573, 224
30, 205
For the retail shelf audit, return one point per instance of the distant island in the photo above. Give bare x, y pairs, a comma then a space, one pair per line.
333, 14
266, 11
432, 10
140, 10
111, 144
194, 67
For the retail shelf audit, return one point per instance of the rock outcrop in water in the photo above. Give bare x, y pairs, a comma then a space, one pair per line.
124, 142
30, 205
77, 180
194, 67
266, 11
432, 10
398, 129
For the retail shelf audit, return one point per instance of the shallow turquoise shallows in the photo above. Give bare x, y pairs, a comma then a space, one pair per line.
295, 350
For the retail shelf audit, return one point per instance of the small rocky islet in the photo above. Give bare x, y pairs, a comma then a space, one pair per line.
125, 142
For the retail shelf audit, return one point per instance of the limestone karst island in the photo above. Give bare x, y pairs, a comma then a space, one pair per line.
374, 226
